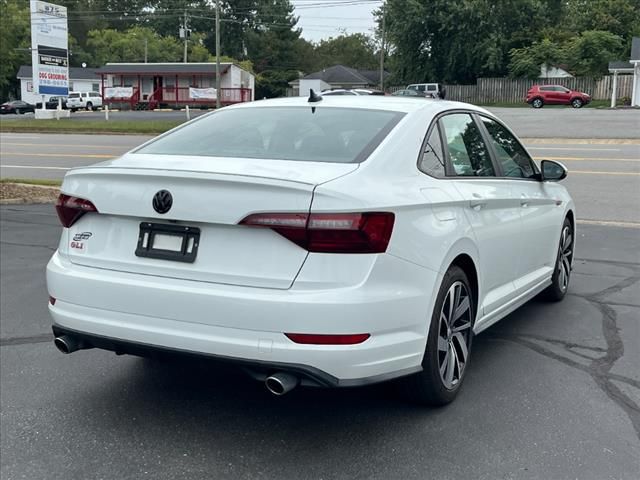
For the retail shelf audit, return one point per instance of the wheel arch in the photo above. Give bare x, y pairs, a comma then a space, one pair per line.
465, 256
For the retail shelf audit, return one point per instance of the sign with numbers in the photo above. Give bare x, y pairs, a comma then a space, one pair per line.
49, 48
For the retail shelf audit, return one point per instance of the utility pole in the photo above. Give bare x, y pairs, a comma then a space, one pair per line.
186, 38
217, 53
382, 50
146, 49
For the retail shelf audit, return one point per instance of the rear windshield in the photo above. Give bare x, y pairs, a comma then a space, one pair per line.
74, 95
339, 135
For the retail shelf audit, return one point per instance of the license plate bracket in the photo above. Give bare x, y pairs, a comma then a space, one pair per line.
177, 243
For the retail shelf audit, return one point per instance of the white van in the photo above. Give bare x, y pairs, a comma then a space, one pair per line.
427, 89
88, 100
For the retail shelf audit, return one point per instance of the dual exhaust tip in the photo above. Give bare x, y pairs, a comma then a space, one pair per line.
279, 383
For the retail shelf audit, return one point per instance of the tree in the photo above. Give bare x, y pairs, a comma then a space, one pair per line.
113, 46
357, 51
15, 42
526, 61
590, 52
271, 46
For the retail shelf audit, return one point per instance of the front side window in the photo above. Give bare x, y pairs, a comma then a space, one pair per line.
510, 153
467, 151
432, 161
334, 135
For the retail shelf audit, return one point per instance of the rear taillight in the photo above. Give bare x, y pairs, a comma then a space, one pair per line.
323, 339
70, 209
367, 232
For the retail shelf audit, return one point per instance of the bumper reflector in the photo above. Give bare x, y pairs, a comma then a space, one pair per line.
317, 339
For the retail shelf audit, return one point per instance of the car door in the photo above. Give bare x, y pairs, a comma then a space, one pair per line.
492, 210
562, 95
540, 214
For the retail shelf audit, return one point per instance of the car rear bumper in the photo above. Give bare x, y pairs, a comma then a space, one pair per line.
396, 320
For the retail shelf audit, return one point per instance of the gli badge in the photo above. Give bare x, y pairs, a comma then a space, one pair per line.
79, 241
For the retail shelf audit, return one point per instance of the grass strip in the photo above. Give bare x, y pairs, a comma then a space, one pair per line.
33, 181
76, 126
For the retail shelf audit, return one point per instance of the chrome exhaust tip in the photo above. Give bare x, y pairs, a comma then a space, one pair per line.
281, 383
67, 344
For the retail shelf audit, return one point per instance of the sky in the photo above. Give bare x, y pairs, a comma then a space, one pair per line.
321, 19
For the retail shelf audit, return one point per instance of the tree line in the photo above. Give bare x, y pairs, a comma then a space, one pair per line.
459, 41
446, 41
260, 35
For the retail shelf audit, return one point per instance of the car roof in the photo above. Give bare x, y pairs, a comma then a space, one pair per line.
373, 102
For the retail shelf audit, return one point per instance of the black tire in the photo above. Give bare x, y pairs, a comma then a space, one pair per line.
577, 103
73, 110
433, 386
18, 111
89, 106
562, 271
537, 103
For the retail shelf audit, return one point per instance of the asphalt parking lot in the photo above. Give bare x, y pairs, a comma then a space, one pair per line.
553, 392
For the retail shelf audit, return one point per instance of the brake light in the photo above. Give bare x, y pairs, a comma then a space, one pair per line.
366, 232
70, 209
321, 339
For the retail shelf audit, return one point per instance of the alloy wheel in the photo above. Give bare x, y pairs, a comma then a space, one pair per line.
564, 258
454, 334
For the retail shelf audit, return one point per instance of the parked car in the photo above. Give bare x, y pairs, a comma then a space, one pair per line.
52, 103
16, 106
540, 95
85, 100
408, 93
433, 90
346, 244
354, 91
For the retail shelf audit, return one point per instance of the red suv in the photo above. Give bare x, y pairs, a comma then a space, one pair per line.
540, 95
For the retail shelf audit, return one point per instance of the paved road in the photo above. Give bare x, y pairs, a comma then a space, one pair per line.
527, 122
604, 178
553, 392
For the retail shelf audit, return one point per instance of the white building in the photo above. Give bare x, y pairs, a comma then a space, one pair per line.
630, 67
80, 80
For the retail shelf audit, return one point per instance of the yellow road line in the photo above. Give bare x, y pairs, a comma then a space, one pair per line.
609, 223
62, 145
35, 167
587, 159
77, 155
604, 173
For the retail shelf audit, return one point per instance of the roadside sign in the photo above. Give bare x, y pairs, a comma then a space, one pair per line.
49, 48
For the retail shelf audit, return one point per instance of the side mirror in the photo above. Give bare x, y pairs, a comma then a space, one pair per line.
552, 171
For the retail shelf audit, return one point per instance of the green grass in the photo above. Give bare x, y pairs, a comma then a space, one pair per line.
75, 126
32, 181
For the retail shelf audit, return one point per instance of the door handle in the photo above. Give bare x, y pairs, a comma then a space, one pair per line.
477, 204
524, 201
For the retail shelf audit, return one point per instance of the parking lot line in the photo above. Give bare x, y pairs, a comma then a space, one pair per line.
608, 223
590, 172
581, 159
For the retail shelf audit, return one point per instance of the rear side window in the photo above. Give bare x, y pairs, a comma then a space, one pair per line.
74, 95
546, 89
431, 88
432, 161
511, 154
467, 151
336, 135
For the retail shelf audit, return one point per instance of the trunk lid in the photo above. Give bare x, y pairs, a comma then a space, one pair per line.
212, 194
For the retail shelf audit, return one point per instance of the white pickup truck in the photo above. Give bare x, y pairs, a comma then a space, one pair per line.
88, 100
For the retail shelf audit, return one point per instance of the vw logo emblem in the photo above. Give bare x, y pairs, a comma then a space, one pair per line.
162, 201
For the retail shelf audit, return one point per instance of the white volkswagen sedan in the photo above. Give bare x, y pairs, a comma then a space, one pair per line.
326, 242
